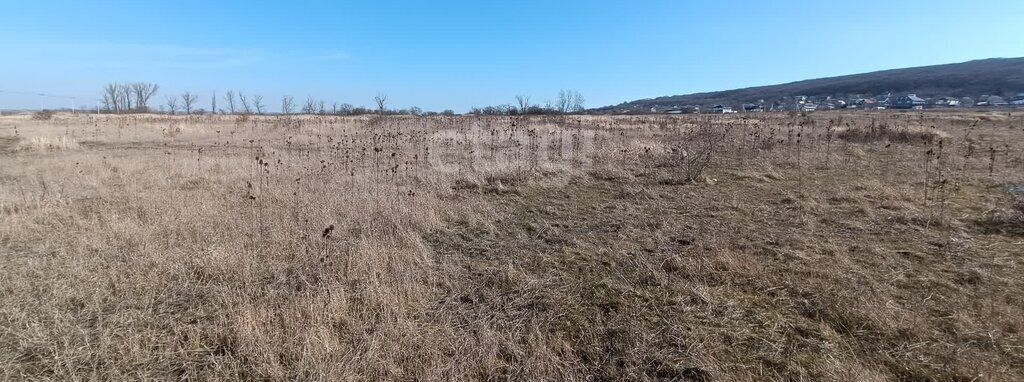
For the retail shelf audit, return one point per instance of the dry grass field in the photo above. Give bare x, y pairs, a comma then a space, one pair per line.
868, 246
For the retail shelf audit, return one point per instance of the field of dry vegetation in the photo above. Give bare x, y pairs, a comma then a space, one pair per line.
835, 246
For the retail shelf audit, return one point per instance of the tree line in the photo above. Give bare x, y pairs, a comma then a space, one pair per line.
567, 102
128, 97
136, 97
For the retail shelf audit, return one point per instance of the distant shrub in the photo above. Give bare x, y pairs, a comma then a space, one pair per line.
43, 115
891, 134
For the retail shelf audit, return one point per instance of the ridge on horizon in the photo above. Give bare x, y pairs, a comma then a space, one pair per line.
991, 76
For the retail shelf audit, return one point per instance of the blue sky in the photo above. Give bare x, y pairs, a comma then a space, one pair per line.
457, 54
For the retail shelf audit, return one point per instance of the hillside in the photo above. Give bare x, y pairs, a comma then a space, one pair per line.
997, 76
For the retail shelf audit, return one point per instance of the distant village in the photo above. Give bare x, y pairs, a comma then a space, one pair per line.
908, 101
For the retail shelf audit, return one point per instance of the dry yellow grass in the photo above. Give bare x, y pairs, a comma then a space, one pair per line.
767, 247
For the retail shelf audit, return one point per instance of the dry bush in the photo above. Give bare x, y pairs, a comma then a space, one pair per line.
689, 157
172, 131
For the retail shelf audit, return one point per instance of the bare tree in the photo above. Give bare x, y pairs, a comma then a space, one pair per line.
229, 97
112, 97
143, 92
119, 98
310, 106
106, 103
172, 104
287, 105
563, 101
524, 103
569, 101
576, 102
257, 103
213, 103
125, 93
188, 100
245, 103
381, 100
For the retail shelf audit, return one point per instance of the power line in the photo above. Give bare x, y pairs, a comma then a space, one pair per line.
40, 94
44, 96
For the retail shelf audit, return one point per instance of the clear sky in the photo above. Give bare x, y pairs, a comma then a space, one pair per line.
457, 54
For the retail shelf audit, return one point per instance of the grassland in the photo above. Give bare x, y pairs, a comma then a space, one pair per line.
846, 247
